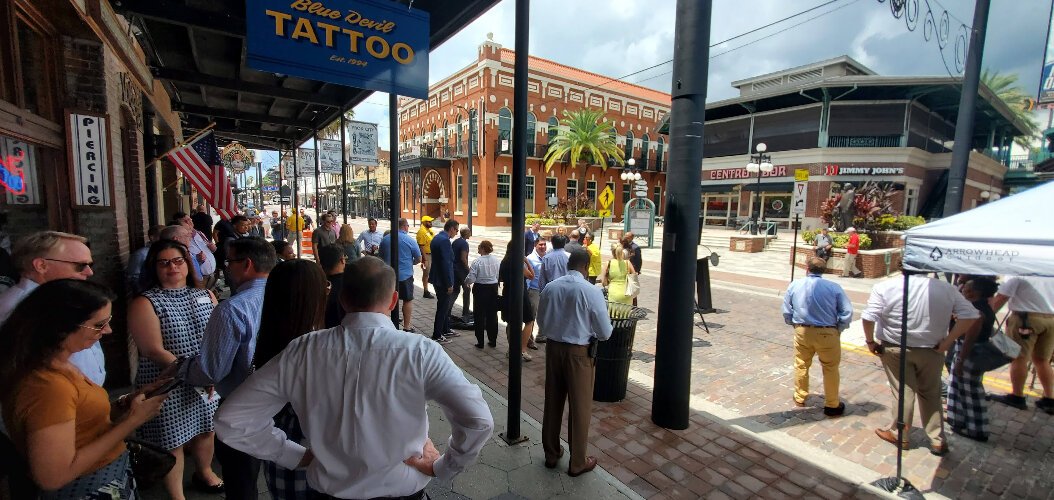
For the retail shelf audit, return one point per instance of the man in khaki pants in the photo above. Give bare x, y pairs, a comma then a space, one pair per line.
1031, 324
819, 310
931, 305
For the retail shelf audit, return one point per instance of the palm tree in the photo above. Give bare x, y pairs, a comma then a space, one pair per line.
585, 136
332, 130
1006, 88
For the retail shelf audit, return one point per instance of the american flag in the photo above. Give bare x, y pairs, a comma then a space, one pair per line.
200, 163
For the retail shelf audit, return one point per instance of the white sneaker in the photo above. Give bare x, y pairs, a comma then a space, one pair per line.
526, 357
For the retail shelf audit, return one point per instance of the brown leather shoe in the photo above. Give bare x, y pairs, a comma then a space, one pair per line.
550, 463
939, 450
591, 463
890, 437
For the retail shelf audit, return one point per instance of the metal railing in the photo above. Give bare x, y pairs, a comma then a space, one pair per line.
534, 150
863, 141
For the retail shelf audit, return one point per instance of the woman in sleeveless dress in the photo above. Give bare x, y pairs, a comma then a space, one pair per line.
168, 322
615, 272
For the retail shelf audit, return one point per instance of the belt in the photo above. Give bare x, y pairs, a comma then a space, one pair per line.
1040, 315
886, 343
416, 496
813, 326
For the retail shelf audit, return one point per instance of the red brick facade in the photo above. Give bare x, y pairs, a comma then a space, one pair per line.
487, 87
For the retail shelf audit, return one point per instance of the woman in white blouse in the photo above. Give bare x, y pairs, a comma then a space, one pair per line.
483, 278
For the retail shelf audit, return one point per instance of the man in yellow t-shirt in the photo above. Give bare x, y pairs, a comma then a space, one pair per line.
424, 240
295, 224
594, 257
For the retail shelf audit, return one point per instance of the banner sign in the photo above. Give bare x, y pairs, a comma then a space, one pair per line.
743, 173
363, 138
89, 159
18, 172
287, 167
369, 44
1046, 82
840, 170
305, 161
329, 153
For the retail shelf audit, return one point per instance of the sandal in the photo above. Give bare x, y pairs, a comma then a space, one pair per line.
201, 485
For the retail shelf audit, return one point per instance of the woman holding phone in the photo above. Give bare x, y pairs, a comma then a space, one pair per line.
168, 322
58, 419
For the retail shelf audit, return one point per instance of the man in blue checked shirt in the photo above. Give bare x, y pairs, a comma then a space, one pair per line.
409, 256
228, 345
819, 310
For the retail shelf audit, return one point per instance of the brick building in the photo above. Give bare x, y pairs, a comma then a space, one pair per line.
434, 145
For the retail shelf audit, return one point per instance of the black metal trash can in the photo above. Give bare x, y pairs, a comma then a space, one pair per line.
613, 355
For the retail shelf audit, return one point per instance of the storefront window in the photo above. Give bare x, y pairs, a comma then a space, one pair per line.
720, 209
726, 138
475, 193
866, 120
504, 193
775, 205
591, 191
572, 188
528, 195
459, 194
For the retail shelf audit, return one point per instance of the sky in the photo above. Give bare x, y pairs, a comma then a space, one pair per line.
617, 38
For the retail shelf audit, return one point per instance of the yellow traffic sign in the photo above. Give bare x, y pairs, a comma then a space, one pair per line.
801, 174
603, 213
607, 196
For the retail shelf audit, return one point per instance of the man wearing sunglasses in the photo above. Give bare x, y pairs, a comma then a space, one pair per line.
48, 256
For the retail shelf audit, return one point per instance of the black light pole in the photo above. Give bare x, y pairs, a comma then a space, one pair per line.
296, 200
673, 345
393, 179
343, 166
964, 122
762, 164
315, 167
471, 153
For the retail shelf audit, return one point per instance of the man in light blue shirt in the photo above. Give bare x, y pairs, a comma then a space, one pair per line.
370, 240
409, 256
819, 310
554, 265
228, 346
572, 313
534, 291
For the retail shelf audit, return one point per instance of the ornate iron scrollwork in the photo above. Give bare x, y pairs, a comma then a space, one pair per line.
935, 26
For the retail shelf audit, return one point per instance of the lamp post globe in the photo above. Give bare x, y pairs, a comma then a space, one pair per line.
760, 164
761, 147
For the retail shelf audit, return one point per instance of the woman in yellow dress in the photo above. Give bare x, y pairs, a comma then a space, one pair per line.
614, 276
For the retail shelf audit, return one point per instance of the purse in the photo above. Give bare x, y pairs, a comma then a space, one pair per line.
150, 462
632, 285
998, 351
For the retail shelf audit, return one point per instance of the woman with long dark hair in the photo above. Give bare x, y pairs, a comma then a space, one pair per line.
514, 267
967, 409
483, 278
294, 304
168, 322
58, 419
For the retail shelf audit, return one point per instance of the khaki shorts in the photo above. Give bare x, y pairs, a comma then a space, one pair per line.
1040, 344
426, 260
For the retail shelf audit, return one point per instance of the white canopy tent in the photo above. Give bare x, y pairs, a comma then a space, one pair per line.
1013, 236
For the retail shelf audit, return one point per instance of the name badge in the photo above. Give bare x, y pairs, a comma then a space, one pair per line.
204, 300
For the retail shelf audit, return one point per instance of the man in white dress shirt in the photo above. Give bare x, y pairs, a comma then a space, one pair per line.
47, 256
1031, 324
360, 391
931, 305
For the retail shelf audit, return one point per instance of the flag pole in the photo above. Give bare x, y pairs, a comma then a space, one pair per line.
210, 126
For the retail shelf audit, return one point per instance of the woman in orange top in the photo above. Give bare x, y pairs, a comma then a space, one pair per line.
58, 419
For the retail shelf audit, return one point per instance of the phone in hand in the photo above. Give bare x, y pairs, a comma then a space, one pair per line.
165, 388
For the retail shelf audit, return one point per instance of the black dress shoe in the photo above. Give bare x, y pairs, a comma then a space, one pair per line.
1011, 400
479, 346
428, 295
834, 412
492, 344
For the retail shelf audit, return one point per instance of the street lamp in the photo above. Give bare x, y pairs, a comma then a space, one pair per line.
632, 174
470, 152
760, 163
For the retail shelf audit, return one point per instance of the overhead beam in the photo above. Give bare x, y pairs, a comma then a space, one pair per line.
192, 78
246, 139
192, 109
177, 13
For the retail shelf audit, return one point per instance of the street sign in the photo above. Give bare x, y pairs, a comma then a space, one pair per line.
641, 193
799, 197
801, 174
641, 183
603, 213
606, 198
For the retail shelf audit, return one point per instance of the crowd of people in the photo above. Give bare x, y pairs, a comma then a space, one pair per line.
299, 346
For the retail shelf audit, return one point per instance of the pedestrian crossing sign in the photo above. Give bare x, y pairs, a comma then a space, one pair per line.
607, 196
603, 213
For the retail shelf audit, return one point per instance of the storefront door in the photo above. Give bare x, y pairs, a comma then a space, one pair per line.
720, 209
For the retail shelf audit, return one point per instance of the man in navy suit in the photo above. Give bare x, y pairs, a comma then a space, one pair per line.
442, 278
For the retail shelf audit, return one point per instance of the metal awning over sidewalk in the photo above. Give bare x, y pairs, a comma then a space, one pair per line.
198, 49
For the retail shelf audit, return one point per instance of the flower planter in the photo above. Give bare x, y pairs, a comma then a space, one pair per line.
748, 243
871, 262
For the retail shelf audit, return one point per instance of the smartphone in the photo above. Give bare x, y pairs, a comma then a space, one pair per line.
165, 388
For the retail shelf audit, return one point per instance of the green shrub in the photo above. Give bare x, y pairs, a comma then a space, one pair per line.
586, 212
905, 222
540, 220
840, 239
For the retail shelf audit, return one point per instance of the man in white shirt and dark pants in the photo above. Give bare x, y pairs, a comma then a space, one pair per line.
360, 391
1031, 325
931, 305
573, 314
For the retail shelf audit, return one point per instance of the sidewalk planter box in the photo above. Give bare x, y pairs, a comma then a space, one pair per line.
887, 239
748, 243
615, 234
871, 262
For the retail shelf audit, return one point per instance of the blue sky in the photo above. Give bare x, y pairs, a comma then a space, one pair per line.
619, 37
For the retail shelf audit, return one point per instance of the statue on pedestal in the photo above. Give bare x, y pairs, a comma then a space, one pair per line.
845, 210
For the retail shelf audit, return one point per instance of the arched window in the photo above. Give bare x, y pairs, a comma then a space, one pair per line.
629, 144
658, 154
644, 151
531, 140
554, 128
460, 136
446, 139
505, 130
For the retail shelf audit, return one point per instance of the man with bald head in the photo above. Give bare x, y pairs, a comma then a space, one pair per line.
48, 256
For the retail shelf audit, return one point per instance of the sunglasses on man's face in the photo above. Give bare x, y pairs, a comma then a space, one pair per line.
77, 266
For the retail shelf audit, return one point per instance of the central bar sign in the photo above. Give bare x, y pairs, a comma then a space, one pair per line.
370, 44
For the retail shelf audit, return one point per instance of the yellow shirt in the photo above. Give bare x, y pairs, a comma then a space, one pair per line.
424, 239
594, 259
295, 223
